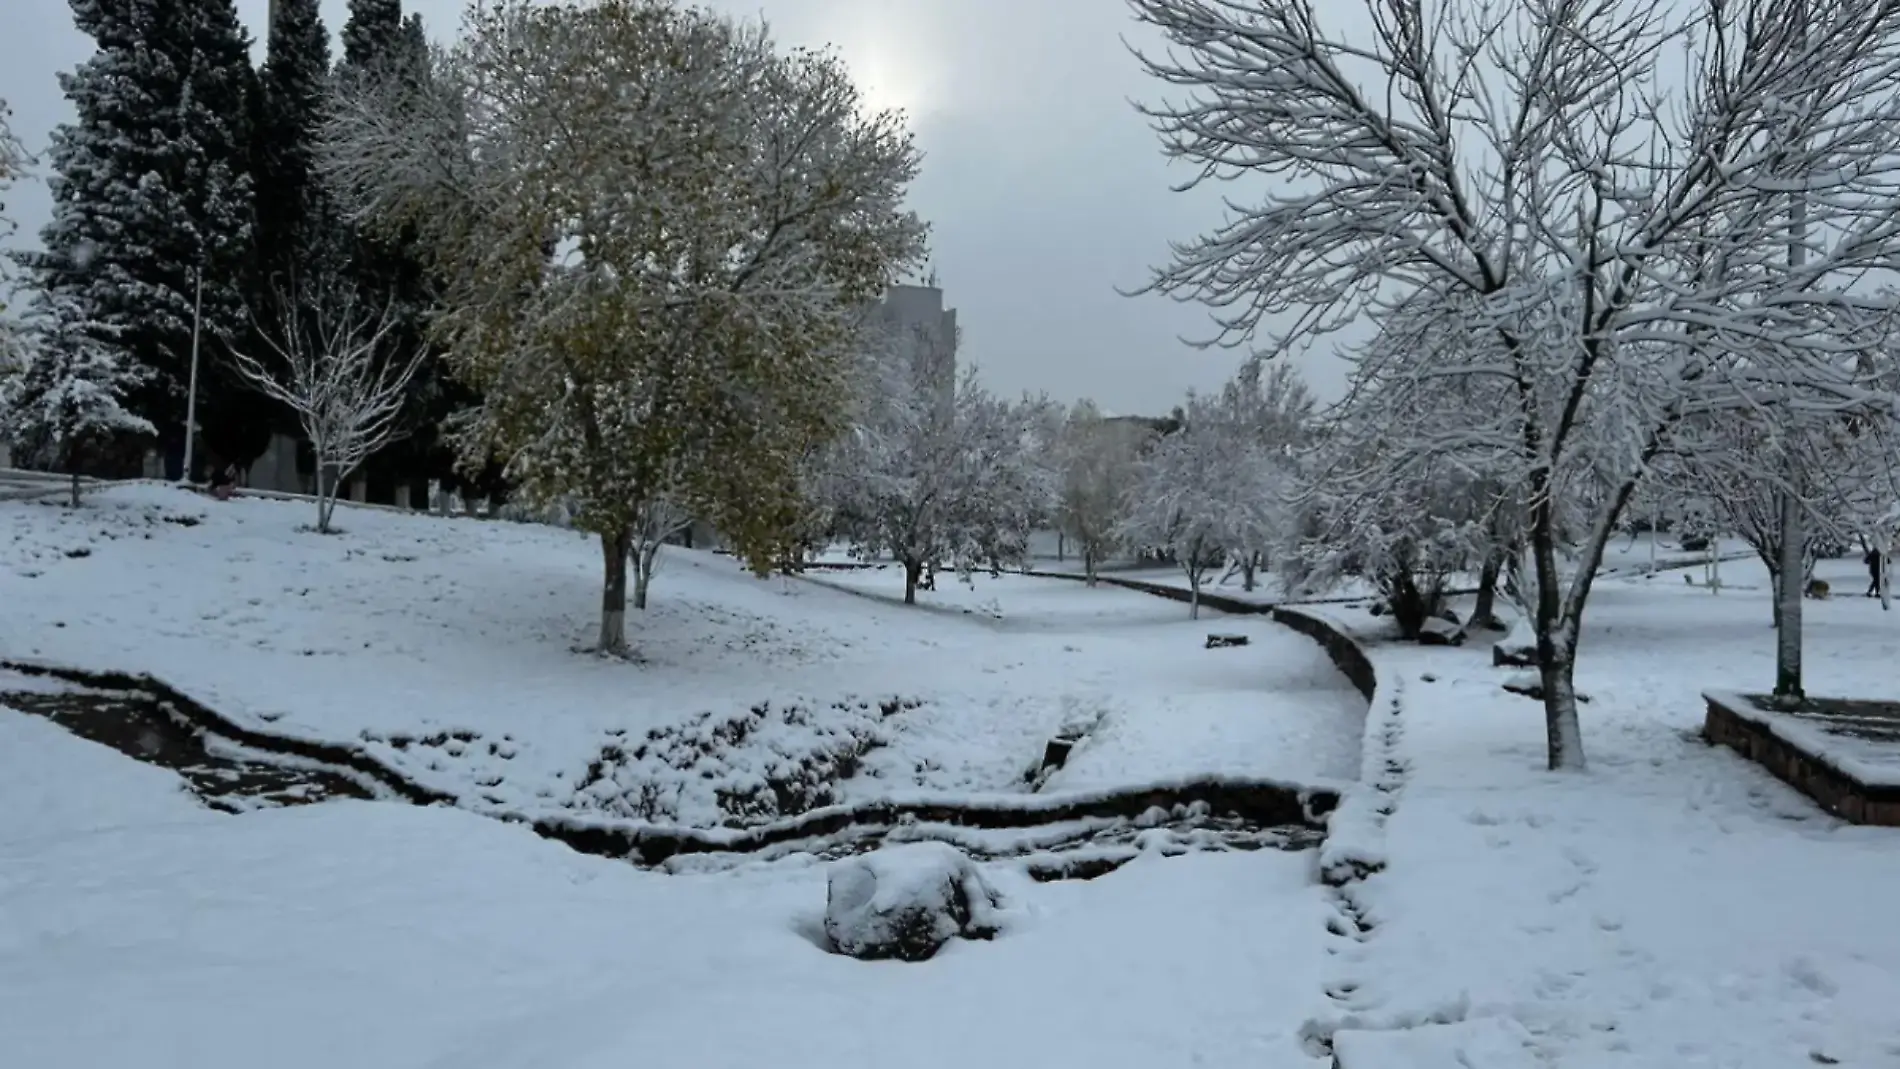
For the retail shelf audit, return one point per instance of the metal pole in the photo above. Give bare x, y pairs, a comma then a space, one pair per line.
191, 397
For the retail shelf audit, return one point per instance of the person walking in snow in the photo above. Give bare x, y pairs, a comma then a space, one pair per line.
1873, 561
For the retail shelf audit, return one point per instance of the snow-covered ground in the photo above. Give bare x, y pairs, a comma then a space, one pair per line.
447, 647
137, 929
1676, 906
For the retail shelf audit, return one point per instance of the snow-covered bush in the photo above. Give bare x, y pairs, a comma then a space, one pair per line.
773, 760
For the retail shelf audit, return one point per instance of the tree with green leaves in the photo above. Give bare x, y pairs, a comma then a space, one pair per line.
654, 232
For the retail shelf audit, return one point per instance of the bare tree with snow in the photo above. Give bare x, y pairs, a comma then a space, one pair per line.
1096, 464
1618, 243
933, 475
654, 231
1205, 492
330, 361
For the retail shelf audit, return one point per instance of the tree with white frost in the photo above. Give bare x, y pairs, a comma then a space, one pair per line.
331, 363
653, 231
1096, 464
936, 471
1204, 492
65, 398
1620, 244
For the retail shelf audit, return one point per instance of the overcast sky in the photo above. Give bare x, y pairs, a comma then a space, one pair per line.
1044, 189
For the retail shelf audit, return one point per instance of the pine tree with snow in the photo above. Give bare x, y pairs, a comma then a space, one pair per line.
151, 193
66, 398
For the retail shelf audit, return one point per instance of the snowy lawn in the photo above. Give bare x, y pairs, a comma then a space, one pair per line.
139, 929
1274, 707
447, 647
1675, 906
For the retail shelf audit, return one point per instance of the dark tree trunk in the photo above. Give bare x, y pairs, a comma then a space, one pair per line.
913, 570
1484, 613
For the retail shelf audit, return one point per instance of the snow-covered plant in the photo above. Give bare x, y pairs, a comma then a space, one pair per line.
1205, 492
1096, 462
1614, 228
654, 232
64, 399
936, 471
331, 363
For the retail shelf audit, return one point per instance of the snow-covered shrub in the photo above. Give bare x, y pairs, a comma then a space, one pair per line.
906, 902
772, 760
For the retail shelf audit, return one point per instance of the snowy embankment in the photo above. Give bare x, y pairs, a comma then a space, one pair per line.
1674, 906
413, 938
446, 648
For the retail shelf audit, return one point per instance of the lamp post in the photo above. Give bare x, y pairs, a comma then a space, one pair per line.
191, 396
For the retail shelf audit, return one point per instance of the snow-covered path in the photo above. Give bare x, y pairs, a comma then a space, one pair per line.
1676, 906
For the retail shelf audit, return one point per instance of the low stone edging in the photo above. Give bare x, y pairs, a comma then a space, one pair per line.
1752, 733
1268, 803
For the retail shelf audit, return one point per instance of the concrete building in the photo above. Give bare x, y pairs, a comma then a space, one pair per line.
916, 316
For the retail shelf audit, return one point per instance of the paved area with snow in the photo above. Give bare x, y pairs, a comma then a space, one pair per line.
1676, 905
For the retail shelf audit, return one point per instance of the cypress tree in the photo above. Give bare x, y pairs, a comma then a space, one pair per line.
293, 222
151, 193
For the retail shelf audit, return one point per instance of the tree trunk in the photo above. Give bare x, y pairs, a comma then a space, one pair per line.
1191, 564
1484, 613
643, 573
1247, 572
74, 501
614, 550
913, 570
1060, 545
326, 491
1556, 649
1788, 690
1088, 563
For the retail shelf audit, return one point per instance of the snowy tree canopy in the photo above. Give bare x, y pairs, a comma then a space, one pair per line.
64, 397
151, 191
1617, 247
1211, 490
655, 291
937, 470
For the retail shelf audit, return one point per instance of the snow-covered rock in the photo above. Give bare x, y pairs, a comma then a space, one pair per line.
1439, 632
906, 902
1518, 648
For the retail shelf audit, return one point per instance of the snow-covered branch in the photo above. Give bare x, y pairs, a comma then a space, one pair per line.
330, 362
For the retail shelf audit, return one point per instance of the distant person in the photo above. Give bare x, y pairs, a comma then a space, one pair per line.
1873, 561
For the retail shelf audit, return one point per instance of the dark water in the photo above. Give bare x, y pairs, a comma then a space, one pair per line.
139, 726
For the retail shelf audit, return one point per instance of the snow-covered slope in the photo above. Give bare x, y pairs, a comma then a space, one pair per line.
448, 647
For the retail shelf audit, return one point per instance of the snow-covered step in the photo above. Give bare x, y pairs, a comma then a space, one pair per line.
1478, 1043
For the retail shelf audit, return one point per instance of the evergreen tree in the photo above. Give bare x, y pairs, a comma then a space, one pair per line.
151, 193
293, 223
65, 399
372, 34
379, 42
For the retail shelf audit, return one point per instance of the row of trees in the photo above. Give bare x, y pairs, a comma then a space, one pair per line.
1594, 274
188, 222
